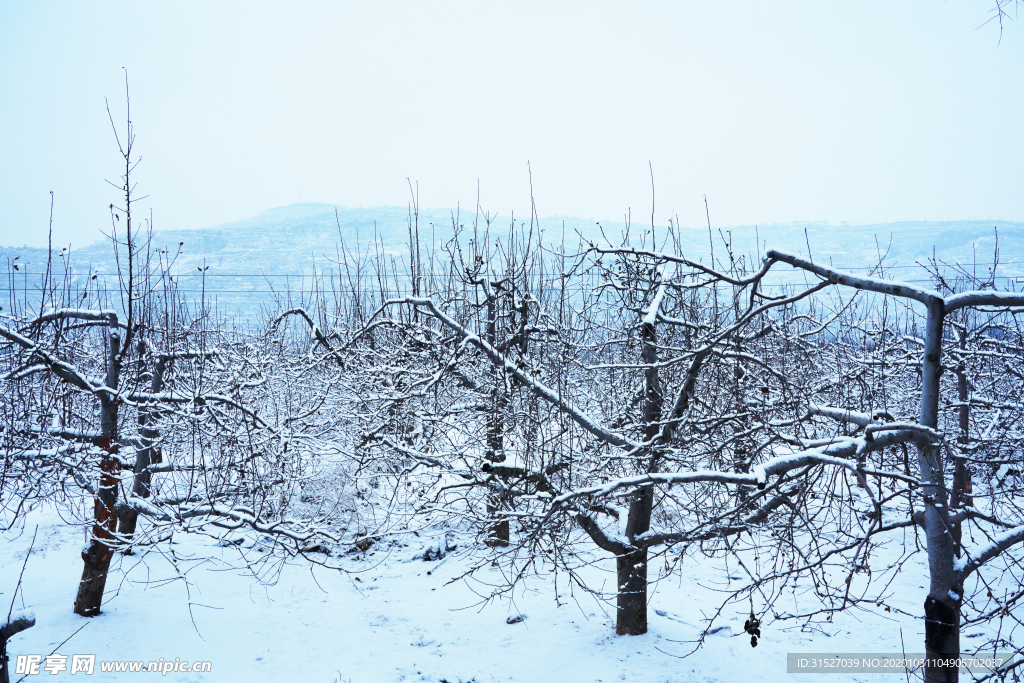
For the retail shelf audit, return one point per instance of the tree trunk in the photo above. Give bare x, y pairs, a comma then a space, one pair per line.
961, 493
498, 534
942, 605
97, 555
100, 550
7, 631
144, 456
631, 605
631, 614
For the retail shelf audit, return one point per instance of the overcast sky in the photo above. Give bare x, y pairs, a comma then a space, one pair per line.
863, 111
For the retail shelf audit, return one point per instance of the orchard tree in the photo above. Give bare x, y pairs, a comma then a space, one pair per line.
691, 396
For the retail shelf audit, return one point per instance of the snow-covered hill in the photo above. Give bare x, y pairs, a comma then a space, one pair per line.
274, 254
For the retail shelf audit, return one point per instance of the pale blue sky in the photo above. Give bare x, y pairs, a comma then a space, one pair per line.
861, 111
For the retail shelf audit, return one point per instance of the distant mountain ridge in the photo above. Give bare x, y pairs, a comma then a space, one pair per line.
278, 249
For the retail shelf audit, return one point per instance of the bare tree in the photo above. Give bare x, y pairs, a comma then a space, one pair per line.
726, 388
944, 501
101, 398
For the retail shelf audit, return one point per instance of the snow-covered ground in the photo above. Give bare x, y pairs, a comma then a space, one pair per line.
399, 619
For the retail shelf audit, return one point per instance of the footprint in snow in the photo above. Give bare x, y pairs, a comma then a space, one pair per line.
673, 617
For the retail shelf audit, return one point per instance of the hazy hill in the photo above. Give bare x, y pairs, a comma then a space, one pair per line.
278, 249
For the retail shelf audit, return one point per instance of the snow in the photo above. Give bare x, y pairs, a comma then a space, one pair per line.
982, 552
398, 618
26, 614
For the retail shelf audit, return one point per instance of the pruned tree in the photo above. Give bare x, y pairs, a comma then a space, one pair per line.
151, 406
746, 424
947, 499
584, 337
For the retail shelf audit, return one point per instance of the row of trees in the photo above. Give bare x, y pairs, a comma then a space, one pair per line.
614, 400
641, 402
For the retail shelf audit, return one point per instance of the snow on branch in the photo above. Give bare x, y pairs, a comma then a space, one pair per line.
539, 389
971, 562
65, 371
106, 316
872, 423
16, 623
839, 454
1000, 299
871, 284
670, 258
902, 289
320, 337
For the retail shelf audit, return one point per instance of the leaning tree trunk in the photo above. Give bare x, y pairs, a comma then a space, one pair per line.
942, 605
631, 613
97, 555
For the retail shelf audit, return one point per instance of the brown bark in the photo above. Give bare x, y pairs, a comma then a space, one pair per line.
498, 535
98, 554
631, 605
96, 557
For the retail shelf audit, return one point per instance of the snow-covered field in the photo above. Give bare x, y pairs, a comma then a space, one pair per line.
396, 617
